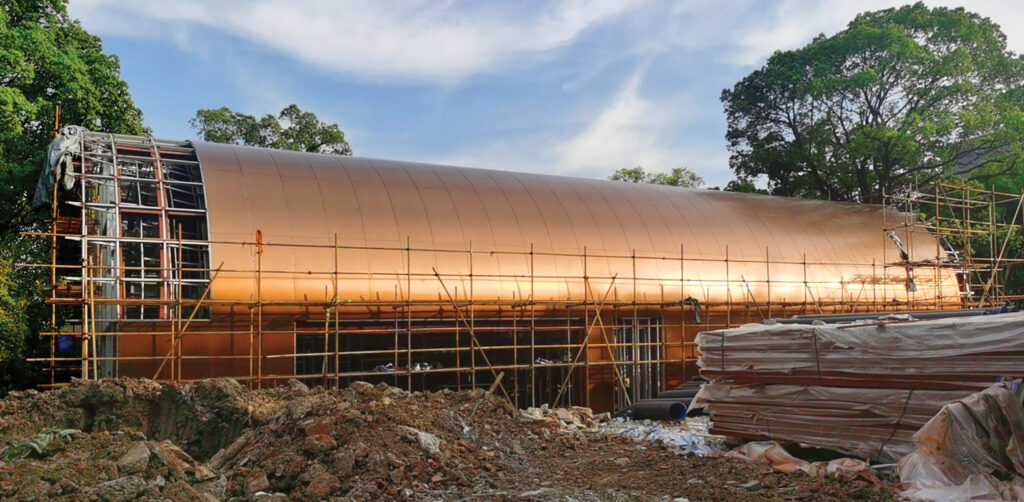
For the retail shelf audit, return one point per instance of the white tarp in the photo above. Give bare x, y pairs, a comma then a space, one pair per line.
58, 164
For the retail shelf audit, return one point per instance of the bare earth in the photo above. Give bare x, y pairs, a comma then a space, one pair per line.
216, 440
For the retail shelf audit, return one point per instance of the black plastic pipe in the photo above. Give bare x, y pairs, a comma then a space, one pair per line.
649, 409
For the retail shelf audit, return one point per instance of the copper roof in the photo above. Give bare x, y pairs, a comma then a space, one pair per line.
304, 198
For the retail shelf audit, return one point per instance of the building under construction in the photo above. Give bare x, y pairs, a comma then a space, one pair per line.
187, 260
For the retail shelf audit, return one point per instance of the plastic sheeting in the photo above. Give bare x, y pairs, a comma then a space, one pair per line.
973, 449
58, 164
690, 436
771, 453
863, 389
876, 424
953, 353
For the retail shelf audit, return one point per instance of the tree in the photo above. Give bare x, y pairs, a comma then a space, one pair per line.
292, 129
744, 186
900, 94
679, 176
46, 58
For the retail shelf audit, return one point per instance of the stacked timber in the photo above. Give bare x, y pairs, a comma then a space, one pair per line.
863, 389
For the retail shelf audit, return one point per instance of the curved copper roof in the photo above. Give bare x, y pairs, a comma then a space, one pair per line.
302, 198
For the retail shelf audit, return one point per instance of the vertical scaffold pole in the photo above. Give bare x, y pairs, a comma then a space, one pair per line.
259, 309
408, 313
334, 308
86, 302
533, 336
586, 334
472, 321
177, 317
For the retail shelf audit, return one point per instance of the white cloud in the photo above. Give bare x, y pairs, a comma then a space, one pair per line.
630, 129
420, 40
790, 24
445, 41
624, 134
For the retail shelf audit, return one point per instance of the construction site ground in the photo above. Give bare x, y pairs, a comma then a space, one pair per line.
217, 440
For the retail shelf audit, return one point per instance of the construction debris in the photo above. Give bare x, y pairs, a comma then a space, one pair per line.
972, 450
773, 454
863, 389
216, 440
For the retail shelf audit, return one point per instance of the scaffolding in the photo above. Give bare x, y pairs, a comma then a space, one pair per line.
135, 292
977, 227
550, 351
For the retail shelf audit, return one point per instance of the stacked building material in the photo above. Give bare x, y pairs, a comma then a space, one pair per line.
863, 389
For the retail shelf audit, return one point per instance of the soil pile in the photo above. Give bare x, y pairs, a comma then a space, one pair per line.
216, 440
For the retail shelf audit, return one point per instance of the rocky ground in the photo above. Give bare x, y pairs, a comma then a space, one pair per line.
216, 440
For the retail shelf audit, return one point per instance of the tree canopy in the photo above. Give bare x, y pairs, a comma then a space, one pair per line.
900, 94
292, 129
679, 176
46, 58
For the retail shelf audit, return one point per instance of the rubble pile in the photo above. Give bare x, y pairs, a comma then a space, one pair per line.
217, 440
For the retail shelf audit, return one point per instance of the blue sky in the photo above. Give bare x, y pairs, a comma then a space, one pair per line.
575, 87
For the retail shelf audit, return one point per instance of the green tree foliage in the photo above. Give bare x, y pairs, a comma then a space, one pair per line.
900, 94
45, 58
745, 186
15, 324
679, 177
292, 129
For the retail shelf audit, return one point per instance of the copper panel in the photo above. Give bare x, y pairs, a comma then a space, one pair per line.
308, 198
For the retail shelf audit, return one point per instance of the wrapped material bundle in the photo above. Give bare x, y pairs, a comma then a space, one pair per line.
967, 353
862, 389
877, 424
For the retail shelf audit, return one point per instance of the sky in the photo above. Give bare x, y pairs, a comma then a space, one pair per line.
571, 87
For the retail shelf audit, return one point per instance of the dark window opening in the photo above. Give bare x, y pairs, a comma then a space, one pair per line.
173, 155
185, 197
194, 261
134, 152
141, 259
182, 172
141, 291
193, 227
314, 344
141, 225
639, 343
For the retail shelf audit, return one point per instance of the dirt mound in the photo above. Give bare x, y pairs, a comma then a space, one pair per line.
216, 440
201, 418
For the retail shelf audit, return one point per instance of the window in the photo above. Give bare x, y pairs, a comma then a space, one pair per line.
185, 196
639, 341
141, 259
100, 191
313, 344
193, 227
134, 290
100, 221
143, 225
136, 168
175, 171
194, 261
139, 193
